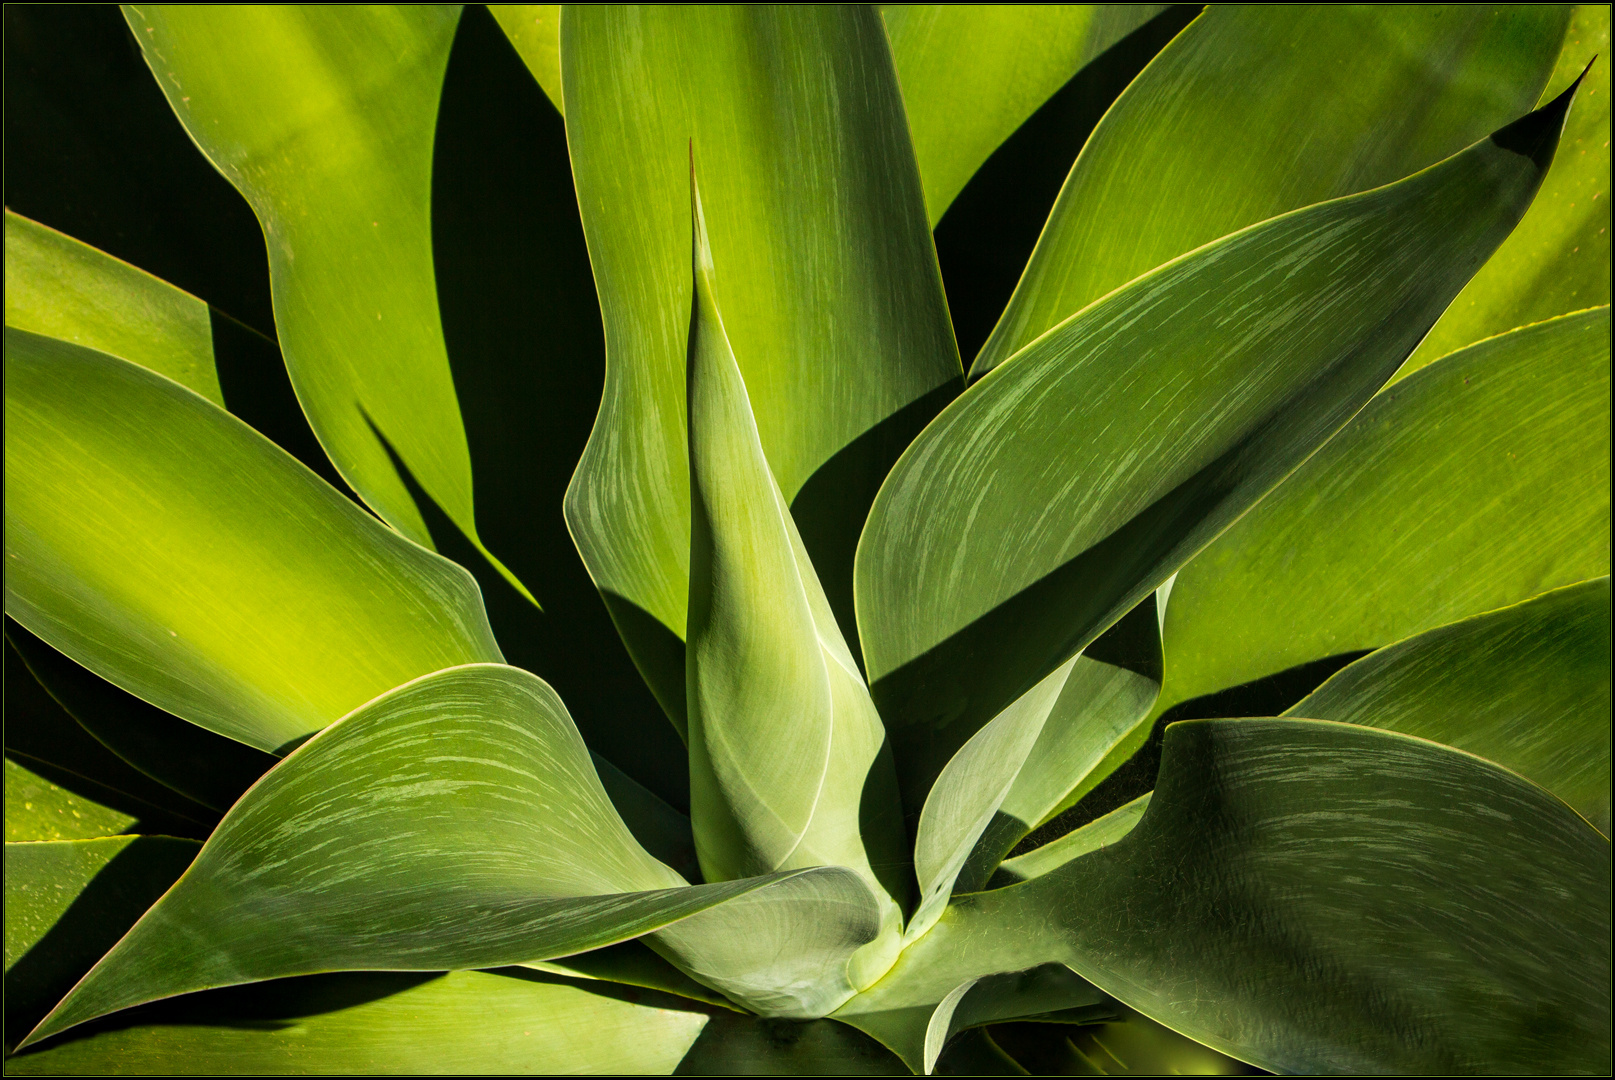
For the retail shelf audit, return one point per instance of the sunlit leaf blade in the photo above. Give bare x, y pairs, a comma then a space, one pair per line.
827, 281
1058, 492
171, 549
1526, 687
512, 853
65, 289
206, 768
750, 1046
1101, 832
786, 768
535, 31
1479, 481
1557, 260
37, 810
1318, 897
1253, 112
660, 829
67, 903
463, 1022
323, 118
965, 799
971, 73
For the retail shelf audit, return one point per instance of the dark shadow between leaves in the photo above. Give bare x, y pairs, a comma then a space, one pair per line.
101, 914
527, 351
93, 149
731, 1045
988, 232
44, 738
830, 509
205, 767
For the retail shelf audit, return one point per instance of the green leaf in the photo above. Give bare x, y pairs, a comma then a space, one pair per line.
535, 31
632, 963
1101, 832
1250, 113
171, 549
67, 903
1478, 482
826, 274
513, 853
972, 73
65, 289
37, 809
1318, 897
1131, 1045
786, 769
1526, 687
1110, 691
1557, 260
387, 1022
323, 118
967, 794
660, 829
1143, 427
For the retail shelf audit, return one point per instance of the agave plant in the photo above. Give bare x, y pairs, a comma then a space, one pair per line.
1217, 676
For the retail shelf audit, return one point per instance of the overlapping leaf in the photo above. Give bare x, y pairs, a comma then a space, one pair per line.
462, 1022
535, 31
168, 547
1049, 500
61, 288
1381, 903
1526, 687
1477, 482
1255, 111
826, 278
323, 118
1557, 261
512, 853
971, 73
786, 762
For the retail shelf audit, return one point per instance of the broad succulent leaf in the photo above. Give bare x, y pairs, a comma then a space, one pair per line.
514, 853
1252, 112
168, 547
826, 275
67, 903
323, 118
1557, 260
505, 1022
1477, 482
972, 73
1384, 903
992, 555
1526, 687
786, 762
38, 810
61, 288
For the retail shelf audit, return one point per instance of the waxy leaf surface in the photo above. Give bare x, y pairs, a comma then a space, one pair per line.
1253, 111
1477, 482
323, 118
1557, 260
1380, 903
1526, 687
825, 274
1050, 499
535, 31
171, 549
61, 288
513, 853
